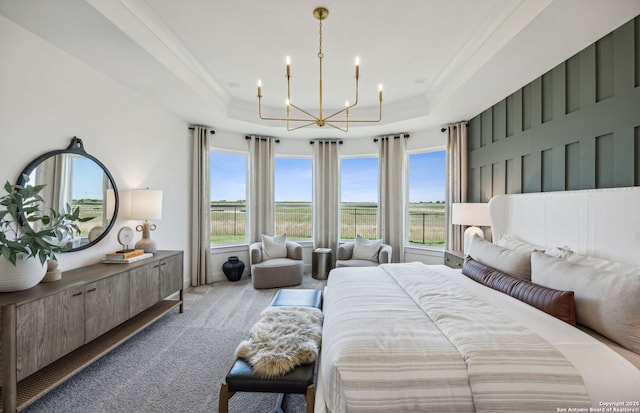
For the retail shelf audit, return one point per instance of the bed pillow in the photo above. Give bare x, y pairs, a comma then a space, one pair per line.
274, 247
606, 301
516, 263
365, 249
557, 303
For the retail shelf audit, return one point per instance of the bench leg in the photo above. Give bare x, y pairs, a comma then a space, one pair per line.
225, 395
277, 408
310, 398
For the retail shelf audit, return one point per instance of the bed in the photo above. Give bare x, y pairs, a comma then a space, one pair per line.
564, 336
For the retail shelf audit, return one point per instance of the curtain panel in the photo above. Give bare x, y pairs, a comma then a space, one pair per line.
326, 195
457, 181
201, 209
392, 196
260, 197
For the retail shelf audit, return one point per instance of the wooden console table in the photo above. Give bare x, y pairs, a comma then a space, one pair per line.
54, 330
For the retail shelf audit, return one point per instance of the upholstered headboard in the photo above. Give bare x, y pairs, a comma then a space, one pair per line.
599, 222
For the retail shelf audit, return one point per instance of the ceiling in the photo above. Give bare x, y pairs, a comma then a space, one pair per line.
439, 61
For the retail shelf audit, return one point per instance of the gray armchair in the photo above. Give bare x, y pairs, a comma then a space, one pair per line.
276, 272
345, 254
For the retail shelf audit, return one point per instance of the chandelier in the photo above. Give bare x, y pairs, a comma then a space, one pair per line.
340, 119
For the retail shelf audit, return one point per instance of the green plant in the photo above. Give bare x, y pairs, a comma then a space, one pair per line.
26, 229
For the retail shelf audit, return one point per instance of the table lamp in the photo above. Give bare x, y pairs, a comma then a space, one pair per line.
472, 214
146, 204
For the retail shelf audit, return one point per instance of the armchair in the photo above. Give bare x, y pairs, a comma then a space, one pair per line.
276, 272
345, 256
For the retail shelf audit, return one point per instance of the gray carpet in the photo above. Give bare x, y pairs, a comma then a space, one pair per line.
177, 364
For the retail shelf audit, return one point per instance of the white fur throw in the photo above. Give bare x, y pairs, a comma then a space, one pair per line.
285, 337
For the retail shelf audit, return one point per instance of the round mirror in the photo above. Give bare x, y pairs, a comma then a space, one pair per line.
73, 177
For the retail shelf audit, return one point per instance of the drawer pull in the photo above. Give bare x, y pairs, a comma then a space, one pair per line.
77, 294
91, 290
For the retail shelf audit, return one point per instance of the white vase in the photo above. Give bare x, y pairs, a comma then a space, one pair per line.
27, 273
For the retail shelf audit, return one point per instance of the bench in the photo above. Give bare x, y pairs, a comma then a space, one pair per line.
241, 377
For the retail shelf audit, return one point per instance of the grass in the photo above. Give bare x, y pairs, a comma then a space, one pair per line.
426, 221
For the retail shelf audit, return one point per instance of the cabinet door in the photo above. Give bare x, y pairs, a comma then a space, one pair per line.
47, 329
144, 287
106, 305
171, 275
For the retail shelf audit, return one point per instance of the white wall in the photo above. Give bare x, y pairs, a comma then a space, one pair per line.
47, 97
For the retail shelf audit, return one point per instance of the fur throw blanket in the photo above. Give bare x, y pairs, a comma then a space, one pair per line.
285, 337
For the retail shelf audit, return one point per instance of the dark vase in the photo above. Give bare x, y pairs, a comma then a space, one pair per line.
233, 268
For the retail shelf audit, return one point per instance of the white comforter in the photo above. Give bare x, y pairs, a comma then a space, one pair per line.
381, 315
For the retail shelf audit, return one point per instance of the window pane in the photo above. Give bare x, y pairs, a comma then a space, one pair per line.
293, 185
228, 197
426, 198
359, 198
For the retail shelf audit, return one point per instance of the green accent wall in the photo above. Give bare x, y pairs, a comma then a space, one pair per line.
575, 127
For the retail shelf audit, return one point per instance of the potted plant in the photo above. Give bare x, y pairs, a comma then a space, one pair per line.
30, 236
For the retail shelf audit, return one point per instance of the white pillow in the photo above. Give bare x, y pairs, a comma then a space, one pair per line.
512, 242
274, 247
365, 249
516, 263
606, 301
600, 263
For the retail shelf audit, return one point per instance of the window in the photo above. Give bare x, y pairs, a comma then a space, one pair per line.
359, 198
293, 186
228, 197
426, 178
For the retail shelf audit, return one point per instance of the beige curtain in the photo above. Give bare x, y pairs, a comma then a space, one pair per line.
261, 196
457, 181
326, 194
392, 180
201, 209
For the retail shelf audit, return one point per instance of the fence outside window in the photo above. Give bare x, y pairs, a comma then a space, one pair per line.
425, 222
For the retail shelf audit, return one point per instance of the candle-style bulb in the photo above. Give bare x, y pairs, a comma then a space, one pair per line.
357, 67
346, 103
380, 92
259, 88
288, 67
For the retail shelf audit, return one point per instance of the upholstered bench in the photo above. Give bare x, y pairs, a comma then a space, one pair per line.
241, 377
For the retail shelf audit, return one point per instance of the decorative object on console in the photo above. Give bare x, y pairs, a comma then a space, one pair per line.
29, 236
146, 204
474, 215
125, 237
53, 272
321, 14
233, 268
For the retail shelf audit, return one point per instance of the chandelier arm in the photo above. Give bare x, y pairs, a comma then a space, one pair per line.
299, 127
339, 128
303, 111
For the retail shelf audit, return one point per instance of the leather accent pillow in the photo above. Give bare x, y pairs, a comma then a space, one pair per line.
274, 247
606, 301
559, 304
516, 263
365, 249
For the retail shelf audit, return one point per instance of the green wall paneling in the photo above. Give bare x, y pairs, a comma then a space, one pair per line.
574, 127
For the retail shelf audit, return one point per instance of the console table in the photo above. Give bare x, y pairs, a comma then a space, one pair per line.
54, 330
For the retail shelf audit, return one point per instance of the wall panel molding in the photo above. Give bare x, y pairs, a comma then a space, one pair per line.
575, 127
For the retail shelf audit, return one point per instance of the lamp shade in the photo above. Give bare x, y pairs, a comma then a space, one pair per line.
145, 204
476, 214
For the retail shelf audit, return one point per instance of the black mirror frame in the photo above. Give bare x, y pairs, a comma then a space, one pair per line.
76, 147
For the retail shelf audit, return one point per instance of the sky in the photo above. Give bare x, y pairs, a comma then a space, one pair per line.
293, 178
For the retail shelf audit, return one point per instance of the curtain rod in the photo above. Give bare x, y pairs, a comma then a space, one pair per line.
264, 138
326, 141
211, 131
395, 136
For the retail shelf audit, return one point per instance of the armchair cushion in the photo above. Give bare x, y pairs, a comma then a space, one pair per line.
365, 249
274, 247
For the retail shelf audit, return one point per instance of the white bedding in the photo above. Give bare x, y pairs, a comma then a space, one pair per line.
607, 376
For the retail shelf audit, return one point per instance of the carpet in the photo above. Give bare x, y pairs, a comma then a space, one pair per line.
177, 364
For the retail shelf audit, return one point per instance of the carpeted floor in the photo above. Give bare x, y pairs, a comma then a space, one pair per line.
177, 364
